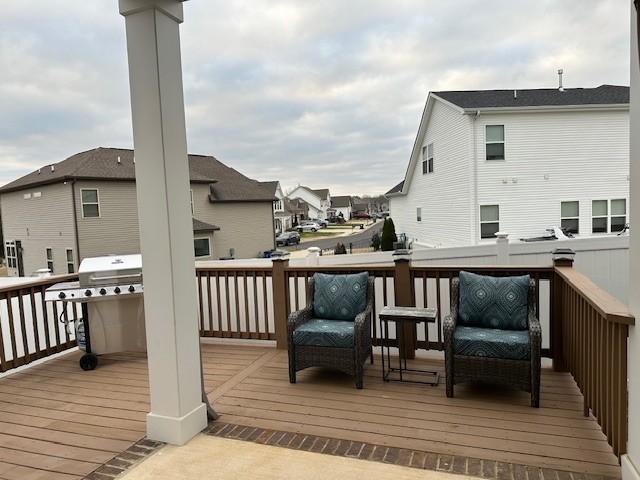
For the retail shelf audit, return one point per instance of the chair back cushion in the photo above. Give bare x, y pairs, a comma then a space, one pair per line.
493, 302
339, 297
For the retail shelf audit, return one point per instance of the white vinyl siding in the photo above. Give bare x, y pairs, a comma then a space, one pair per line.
552, 158
570, 216
445, 196
43, 221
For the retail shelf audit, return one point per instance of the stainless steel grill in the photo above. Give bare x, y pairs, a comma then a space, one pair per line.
110, 290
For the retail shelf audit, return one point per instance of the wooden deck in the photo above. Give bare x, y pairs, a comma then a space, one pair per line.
59, 422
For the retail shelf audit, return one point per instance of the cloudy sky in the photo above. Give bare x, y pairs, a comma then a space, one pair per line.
324, 93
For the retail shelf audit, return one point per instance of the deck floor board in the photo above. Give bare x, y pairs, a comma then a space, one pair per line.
61, 423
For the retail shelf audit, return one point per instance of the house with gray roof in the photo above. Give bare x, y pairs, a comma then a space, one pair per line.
341, 206
318, 200
516, 161
85, 206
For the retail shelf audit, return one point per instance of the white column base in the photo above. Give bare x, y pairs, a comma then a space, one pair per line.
629, 469
177, 430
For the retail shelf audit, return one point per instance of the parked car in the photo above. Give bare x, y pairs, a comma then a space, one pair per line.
308, 227
288, 238
337, 220
361, 215
322, 223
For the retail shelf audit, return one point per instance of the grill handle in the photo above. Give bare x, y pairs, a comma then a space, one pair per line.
93, 278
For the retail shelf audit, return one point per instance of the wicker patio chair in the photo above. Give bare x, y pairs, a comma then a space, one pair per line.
486, 342
334, 329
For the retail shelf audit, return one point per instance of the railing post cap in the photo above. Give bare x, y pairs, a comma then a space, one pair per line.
502, 235
313, 249
280, 256
401, 255
563, 257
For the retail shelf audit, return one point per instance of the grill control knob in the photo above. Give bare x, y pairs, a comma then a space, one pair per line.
132, 289
87, 292
103, 291
117, 290
61, 295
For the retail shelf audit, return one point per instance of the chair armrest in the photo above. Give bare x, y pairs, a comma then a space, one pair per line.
535, 335
449, 327
298, 318
363, 320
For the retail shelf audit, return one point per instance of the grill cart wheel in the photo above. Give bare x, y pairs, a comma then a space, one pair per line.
88, 361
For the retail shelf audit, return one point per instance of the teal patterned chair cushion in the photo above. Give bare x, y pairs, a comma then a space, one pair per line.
491, 343
325, 333
339, 297
493, 302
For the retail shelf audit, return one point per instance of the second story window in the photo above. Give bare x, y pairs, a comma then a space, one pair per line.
618, 215
49, 253
201, 247
489, 221
494, 136
570, 216
90, 203
427, 159
599, 216
71, 267
418, 214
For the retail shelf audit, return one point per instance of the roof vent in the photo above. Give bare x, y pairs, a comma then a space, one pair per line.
53, 168
560, 87
119, 162
515, 94
38, 171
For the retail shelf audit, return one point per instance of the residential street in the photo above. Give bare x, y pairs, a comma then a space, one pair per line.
359, 239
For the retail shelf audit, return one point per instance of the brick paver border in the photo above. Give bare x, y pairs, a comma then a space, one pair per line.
122, 462
488, 469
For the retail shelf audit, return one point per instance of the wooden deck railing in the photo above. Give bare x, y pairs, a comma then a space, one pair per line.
29, 328
592, 338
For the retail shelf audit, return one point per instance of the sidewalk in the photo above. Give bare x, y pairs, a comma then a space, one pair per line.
224, 459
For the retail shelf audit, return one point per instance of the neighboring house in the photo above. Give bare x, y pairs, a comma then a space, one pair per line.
282, 219
298, 209
516, 161
85, 206
341, 206
319, 200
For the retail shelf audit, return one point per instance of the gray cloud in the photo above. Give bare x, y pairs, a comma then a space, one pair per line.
323, 93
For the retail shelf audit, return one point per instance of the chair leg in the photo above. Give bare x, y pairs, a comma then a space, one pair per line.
371, 355
292, 375
449, 374
359, 376
292, 365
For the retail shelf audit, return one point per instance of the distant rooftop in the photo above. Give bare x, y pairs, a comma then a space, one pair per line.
341, 201
542, 97
118, 164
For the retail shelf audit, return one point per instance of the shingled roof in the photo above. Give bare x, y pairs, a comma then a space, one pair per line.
199, 226
117, 164
396, 189
541, 97
341, 201
323, 193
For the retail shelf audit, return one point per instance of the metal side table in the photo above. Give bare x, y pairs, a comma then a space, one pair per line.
402, 316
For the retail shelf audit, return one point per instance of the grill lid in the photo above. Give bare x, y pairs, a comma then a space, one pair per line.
110, 270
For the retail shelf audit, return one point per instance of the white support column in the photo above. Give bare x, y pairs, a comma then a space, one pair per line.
166, 238
631, 461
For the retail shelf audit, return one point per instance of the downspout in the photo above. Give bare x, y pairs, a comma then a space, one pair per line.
75, 222
476, 207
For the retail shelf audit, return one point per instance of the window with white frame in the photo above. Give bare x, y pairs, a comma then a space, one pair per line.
49, 254
494, 142
599, 216
12, 257
489, 221
427, 159
202, 247
570, 216
418, 214
71, 265
90, 203
618, 215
